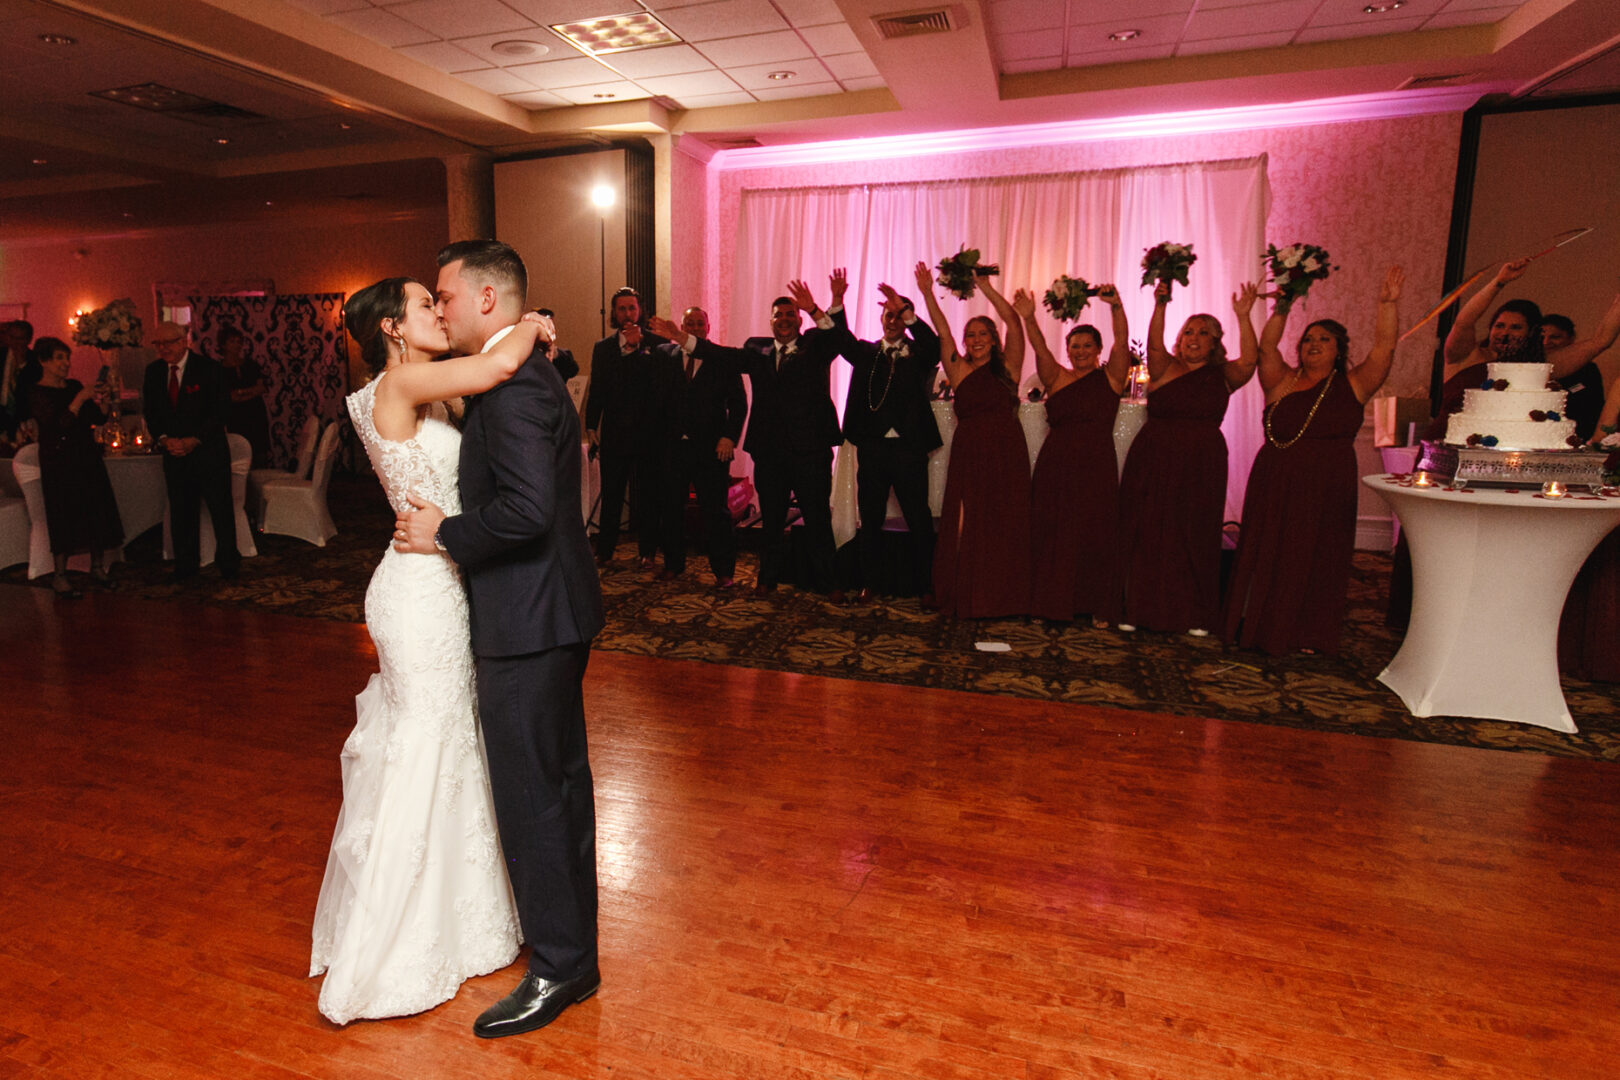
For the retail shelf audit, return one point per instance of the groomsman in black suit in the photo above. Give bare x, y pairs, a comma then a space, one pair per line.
889, 418
707, 407
186, 401
619, 420
561, 359
792, 431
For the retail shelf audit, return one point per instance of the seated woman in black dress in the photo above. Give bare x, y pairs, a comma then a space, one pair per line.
1074, 494
80, 511
981, 559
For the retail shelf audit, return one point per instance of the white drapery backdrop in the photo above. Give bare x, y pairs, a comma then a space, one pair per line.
1093, 225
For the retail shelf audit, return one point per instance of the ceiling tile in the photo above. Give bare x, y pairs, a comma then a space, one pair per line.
850, 66
873, 83
580, 71
381, 27
1235, 44
812, 12
1355, 30
693, 84
1468, 17
710, 101
461, 18
496, 80
757, 76
665, 60
1096, 11
1030, 44
781, 93
1093, 37
597, 93
329, 7
1019, 16
553, 12
832, 39
756, 49
1120, 56
537, 99
1461, 5
1020, 67
705, 22
1347, 12
444, 56
551, 46
1249, 19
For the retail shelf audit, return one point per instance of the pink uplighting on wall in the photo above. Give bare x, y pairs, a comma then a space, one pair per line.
1247, 118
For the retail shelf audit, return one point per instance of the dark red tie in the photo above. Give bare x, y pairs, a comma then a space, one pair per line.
174, 385
691, 366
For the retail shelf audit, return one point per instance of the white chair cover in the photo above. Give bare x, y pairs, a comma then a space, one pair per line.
298, 507
14, 530
25, 467
241, 464
258, 478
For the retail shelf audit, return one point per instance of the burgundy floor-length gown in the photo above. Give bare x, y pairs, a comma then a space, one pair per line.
1171, 502
1289, 585
1074, 504
1589, 632
981, 561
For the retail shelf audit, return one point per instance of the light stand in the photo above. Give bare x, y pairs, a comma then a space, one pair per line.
602, 199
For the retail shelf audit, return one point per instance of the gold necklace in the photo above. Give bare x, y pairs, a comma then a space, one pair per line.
1317, 404
870, 407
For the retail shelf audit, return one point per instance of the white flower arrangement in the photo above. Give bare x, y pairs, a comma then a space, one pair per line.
109, 327
1295, 268
1068, 297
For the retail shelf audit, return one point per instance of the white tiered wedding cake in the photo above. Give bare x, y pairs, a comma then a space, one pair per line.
1517, 408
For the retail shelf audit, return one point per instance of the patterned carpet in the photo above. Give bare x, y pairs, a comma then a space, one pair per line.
898, 642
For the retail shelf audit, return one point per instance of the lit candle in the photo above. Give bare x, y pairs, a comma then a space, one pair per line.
1422, 480
1552, 489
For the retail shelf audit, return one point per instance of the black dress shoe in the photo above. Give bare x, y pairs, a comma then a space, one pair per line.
535, 1003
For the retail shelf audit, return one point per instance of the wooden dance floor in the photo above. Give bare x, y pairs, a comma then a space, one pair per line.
801, 878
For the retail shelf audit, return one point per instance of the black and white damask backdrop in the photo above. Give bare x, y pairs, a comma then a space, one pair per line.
298, 340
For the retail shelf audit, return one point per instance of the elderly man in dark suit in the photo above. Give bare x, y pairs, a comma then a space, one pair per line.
186, 402
792, 430
535, 605
888, 416
619, 414
706, 407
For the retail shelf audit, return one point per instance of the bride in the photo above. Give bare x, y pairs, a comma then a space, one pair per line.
416, 899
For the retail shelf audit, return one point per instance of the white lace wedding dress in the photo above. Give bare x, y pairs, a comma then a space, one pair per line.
416, 898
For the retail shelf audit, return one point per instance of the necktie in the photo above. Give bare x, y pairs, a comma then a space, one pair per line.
691, 366
174, 385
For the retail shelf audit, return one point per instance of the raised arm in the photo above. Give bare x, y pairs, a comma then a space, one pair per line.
1239, 371
1012, 349
1610, 416
418, 384
1118, 369
1572, 357
1274, 370
1158, 357
955, 368
1054, 376
1367, 376
1464, 338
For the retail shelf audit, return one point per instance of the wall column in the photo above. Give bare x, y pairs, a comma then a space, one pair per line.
469, 186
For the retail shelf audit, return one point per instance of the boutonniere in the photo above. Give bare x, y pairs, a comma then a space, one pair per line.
193, 388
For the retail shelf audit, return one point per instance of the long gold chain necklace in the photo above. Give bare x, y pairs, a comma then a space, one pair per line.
871, 371
1317, 404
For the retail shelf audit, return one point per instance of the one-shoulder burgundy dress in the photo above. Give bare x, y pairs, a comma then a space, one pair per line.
1171, 500
1292, 572
1074, 504
981, 561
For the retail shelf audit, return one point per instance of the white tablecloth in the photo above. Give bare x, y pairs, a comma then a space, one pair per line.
1031, 416
1490, 571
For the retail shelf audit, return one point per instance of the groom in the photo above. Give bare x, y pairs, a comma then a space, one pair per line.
535, 605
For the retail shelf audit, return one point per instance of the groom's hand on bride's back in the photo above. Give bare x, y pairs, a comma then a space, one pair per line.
415, 531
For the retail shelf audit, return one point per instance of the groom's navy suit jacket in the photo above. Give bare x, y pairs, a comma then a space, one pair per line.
520, 538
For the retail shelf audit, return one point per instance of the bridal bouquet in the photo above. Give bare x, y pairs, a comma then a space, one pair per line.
1068, 297
1295, 268
109, 327
1167, 262
957, 272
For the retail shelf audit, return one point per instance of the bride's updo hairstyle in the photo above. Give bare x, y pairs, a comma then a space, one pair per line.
364, 313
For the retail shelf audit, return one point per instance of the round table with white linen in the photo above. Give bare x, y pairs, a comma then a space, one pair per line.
1490, 571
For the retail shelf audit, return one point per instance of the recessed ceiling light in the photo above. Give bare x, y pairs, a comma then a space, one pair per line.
223, 141
1379, 9
58, 39
41, 161
267, 202
604, 95
344, 126
519, 47
782, 76
126, 213
1124, 35
617, 33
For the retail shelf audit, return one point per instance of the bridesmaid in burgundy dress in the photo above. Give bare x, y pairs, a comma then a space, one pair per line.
1589, 634
1292, 575
1173, 492
981, 560
1074, 494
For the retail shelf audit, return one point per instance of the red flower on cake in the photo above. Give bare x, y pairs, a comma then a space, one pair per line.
1537, 415
1574, 440
1499, 384
1473, 440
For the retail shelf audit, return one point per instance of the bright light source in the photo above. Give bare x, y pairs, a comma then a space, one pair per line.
601, 196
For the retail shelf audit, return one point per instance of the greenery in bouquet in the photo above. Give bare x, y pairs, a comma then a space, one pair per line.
1167, 262
1068, 297
109, 327
958, 273
1295, 268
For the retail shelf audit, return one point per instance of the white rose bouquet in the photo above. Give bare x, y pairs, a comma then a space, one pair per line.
1295, 268
1068, 297
109, 327
1167, 262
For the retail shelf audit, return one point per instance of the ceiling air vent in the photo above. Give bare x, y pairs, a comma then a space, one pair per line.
1424, 82
911, 23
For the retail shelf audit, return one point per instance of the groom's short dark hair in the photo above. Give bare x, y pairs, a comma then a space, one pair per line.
491, 261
